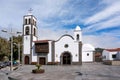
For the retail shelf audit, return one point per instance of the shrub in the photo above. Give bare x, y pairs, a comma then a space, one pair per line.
38, 66
38, 70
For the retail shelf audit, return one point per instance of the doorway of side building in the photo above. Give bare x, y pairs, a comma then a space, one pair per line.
66, 58
42, 60
26, 59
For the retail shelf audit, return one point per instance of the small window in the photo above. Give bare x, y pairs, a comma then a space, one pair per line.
114, 56
66, 45
27, 30
34, 32
35, 23
77, 37
87, 54
29, 21
25, 21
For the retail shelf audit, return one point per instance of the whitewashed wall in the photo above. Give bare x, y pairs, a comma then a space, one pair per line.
87, 58
26, 43
72, 48
105, 55
50, 52
108, 55
87, 53
34, 55
118, 55
112, 53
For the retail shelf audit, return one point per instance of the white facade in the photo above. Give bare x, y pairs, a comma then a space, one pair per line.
66, 50
34, 55
87, 53
111, 54
72, 48
26, 42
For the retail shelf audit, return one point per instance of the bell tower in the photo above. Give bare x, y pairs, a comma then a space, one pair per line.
78, 34
29, 35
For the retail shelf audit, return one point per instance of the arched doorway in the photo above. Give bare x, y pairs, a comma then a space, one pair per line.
26, 59
66, 58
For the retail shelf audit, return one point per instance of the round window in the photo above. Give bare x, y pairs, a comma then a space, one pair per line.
66, 45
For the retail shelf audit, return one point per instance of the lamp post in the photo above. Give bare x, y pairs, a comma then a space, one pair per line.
11, 33
19, 53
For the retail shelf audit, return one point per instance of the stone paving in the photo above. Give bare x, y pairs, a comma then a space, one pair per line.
88, 71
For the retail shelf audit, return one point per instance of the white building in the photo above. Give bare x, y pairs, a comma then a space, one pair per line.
66, 50
87, 51
111, 54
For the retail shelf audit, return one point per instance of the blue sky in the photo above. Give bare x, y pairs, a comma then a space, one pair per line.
98, 19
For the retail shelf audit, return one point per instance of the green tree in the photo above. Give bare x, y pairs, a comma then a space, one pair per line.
17, 40
100, 50
4, 48
98, 54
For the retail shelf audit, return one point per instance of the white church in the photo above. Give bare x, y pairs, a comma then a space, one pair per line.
67, 49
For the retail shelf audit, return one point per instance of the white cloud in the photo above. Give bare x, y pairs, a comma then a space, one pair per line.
48, 8
109, 2
109, 39
102, 41
108, 12
51, 34
111, 23
53, 16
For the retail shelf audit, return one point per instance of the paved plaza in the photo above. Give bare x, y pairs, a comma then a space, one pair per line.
88, 71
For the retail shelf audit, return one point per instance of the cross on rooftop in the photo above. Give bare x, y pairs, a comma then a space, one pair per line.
30, 10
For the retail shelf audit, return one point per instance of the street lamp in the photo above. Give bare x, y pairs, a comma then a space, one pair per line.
11, 33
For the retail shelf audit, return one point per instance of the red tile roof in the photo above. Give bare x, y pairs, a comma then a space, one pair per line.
113, 50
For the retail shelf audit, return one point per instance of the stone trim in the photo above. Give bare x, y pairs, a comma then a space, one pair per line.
53, 51
80, 52
76, 63
93, 56
31, 39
